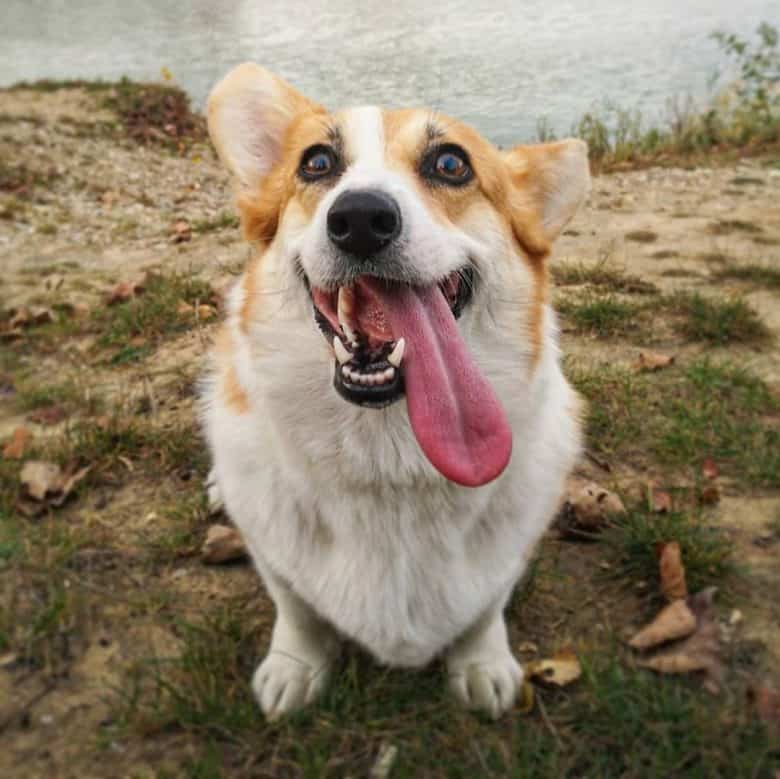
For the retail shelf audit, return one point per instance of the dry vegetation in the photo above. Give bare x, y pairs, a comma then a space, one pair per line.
123, 654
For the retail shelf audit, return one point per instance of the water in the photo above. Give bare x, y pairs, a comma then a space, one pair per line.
499, 65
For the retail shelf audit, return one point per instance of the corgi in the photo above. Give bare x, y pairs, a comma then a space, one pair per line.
388, 421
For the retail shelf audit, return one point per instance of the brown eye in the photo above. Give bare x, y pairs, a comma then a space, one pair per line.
317, 162
447, 164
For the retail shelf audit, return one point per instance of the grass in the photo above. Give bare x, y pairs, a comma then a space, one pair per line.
705, 549
598, 728
153, 314
224, 220
600, 274
601, 316
717, 321
763, 276
676, 419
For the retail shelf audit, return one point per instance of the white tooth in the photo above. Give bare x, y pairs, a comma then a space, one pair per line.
345, 308
395, 357
342, 353
388, 374
345, 371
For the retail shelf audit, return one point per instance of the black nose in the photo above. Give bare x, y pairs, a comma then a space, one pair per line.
363, 221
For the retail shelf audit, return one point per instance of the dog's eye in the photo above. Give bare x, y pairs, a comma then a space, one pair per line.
448, 164
317, 162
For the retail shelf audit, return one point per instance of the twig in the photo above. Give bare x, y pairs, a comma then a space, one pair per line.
548, 723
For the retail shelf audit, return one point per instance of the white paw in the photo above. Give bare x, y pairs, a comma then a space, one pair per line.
283, 683
490, 684
213, 494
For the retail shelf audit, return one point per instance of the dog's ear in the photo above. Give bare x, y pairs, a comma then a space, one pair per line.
248, 114
549, 182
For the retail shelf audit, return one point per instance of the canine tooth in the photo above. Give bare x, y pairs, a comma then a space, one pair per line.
395, 357
345, 371
342, 353
388, 374
344, 309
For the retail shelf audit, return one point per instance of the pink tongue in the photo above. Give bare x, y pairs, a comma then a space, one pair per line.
456, 417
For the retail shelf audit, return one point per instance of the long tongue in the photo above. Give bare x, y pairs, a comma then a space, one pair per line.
456, 417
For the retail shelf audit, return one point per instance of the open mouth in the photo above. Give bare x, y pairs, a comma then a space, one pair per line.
391, 339
369, 367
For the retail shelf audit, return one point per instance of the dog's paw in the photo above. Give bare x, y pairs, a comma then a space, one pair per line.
487, 684
282, 683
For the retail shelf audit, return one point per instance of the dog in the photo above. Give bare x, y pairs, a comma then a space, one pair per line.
388, 420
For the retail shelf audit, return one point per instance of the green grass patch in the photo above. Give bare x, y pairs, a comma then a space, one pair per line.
678, 417
717, 321
598, 728
600, 316
706, 550
153, 314
224, 220
600, 274
758, 275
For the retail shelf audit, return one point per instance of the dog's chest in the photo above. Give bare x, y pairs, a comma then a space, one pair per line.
403, 576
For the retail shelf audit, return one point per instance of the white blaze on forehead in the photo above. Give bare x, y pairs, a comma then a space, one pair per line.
364, 137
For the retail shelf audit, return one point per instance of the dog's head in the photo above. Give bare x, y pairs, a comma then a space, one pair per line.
395, 225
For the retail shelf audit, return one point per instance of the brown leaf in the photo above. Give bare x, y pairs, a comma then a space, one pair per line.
767, 702
560, 670
184, 308
17, 444
653, 361
125, 290
699, 652
181, 231
672, 571
673, 621
47, 415
709, 494
206, 311
660, 501
223, 544
69, 482
589, 506
41, 479
709, 468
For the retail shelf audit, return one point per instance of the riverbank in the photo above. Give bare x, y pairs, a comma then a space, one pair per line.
123, 654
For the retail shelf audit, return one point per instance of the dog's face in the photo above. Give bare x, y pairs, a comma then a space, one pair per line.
396, 224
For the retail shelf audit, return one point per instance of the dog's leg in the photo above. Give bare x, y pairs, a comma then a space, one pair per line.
303, 650
482, 671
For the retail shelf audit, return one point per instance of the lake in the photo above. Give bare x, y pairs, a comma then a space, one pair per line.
499, 65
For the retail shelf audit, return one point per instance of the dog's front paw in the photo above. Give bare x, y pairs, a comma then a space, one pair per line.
488, 684
282, 683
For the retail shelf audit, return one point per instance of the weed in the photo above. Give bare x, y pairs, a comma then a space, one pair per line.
759, 275
716, 321
223, 220
682, 416
601, 274
642, 236
152, 315
599, 316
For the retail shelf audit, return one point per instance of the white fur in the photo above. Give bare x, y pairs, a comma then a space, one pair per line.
354, 532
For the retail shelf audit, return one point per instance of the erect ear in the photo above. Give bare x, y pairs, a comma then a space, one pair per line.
248, 114
549, 183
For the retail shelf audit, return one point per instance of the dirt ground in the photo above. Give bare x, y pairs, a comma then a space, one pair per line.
100, 596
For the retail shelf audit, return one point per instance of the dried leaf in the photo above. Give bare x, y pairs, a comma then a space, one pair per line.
69, 483
709, 495
674, 621
767, 702
672, 571
525, 703
17, 444
560, 670
222, 545
660, 501
47, 415
709, 468
653, 361
699, 652
184, 308
181, 231
41, 478
126, 290
589, 507
206, 311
